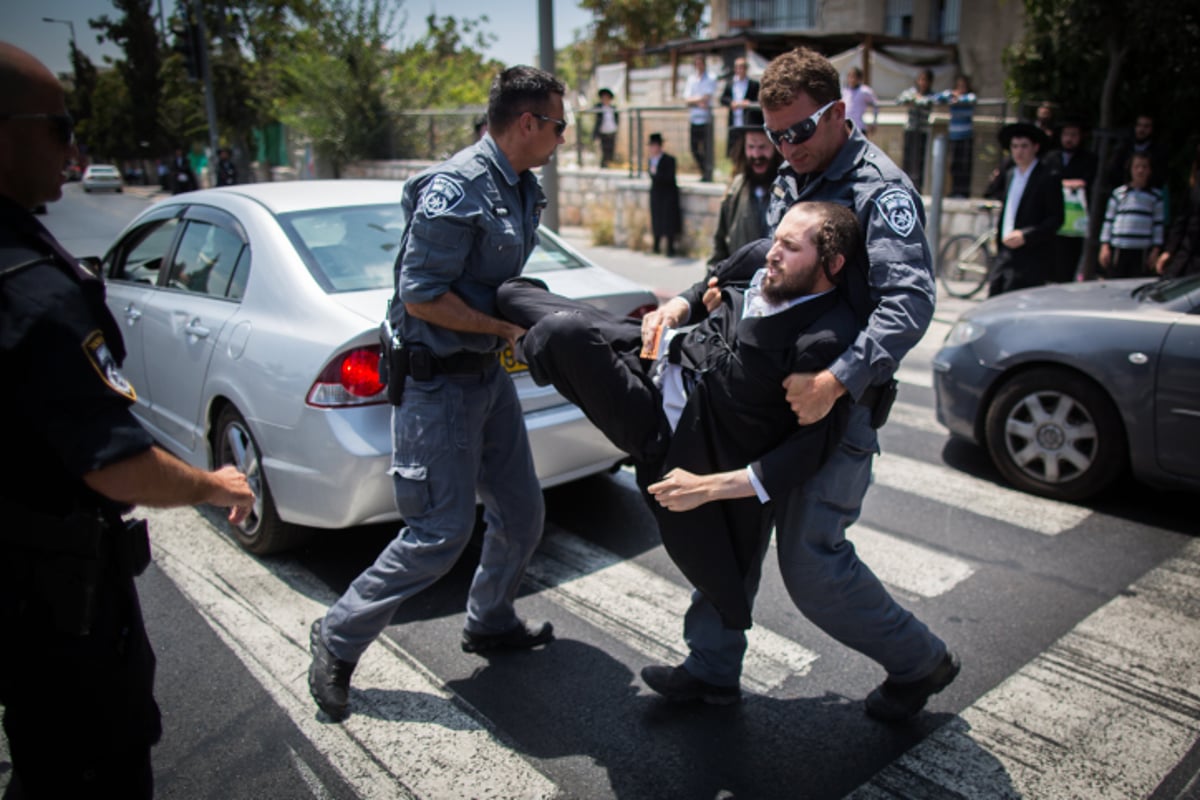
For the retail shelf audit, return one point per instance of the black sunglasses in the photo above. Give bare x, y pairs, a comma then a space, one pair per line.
64, 126
802, 131
560, 125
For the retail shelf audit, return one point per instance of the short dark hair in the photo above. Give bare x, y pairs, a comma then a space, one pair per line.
799, 70
517, 90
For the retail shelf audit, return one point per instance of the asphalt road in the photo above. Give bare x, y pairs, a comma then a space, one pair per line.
1076, 625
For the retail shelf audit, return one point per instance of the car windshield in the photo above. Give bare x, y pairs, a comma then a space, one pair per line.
1167, 290
103, 170
354, 247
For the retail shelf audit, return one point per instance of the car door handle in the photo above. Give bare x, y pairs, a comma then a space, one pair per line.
194, 328
132, 314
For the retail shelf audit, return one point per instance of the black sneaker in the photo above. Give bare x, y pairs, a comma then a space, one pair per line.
676, 683
522, 637
328, 677
896, 702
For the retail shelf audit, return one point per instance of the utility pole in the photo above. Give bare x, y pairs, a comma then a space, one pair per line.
546, 62
74, 52
210, 100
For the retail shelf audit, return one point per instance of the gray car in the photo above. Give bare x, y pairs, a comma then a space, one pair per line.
1068, 385
251, 317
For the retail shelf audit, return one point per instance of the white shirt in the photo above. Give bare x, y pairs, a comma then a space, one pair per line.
857, 100
738, 89
1016, 188
700, 86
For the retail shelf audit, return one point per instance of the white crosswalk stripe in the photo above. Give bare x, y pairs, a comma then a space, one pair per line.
906, 566
645, 611
954, 488
383, 753
1104, 713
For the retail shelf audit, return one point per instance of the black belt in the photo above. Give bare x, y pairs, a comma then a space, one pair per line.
463, 363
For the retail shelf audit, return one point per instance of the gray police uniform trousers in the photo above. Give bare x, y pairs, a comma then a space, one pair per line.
455, 436
824, 577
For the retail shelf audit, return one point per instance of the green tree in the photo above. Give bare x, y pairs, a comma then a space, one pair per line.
1108, 62
333, 81
135, 34
623, 28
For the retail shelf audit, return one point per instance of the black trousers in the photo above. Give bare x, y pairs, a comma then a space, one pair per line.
961, 153
914, 157
701, 142
79, 711
591, 357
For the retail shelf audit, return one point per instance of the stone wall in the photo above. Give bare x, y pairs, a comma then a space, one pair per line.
616, 208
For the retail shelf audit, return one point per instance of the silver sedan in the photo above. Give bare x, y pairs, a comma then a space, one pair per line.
251, 316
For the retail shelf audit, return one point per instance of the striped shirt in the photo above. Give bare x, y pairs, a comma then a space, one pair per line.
1134, 219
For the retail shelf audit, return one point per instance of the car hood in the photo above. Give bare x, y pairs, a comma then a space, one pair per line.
1090, 297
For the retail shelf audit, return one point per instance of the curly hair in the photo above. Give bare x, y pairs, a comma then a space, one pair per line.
517, 90
838, 234
800, 70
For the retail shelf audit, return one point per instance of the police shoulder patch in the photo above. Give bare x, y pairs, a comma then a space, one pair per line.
441, 195
899, 212
102, 361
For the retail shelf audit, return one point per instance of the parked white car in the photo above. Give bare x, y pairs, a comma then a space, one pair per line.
102, 176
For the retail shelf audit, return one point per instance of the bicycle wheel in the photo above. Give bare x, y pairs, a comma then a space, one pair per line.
964, 266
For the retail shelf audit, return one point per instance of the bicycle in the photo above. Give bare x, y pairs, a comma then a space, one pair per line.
965, 262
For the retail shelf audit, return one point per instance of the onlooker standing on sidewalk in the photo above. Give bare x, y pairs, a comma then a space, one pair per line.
1075, 166
741, 98
916, 128
1181, 254
698, 94
858, 96
226, 170
1133, 224
1141, 141
183, 178
1031, 215
962, 133
743, 217
458, 432
605, 127
665, 217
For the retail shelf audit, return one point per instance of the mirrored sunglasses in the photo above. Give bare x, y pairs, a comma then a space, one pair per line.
802, 131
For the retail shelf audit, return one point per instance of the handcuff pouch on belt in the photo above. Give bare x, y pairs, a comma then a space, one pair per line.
879, 398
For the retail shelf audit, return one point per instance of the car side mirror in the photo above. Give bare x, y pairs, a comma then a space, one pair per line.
93, 264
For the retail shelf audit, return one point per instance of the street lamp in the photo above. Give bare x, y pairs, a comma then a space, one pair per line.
70, 25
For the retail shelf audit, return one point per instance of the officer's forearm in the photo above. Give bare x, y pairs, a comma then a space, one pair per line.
451, 312
154, 478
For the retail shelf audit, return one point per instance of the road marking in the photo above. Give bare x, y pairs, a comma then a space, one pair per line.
1105, 712
408, 736
949, 486
915, 376
917, 417
906, 566
645, 611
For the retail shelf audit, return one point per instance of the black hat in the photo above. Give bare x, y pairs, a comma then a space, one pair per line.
656, 138
605, 91
1025, 129
752, 121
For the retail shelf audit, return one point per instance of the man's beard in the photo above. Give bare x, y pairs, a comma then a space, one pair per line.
789, 287
764, 178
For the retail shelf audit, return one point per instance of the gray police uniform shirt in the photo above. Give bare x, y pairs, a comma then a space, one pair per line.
472, 223
890, 284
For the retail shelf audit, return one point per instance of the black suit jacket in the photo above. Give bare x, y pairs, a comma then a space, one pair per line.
665, 216
1039, 216
751, 95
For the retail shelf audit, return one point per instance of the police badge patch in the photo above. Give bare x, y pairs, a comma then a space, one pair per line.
102, 360
442, 195
896, 206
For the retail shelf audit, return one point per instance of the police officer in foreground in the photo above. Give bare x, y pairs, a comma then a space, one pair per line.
891, 287
457, 425
76, 678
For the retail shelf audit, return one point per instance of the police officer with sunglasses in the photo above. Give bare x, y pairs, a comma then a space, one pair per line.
76, 679
890, 285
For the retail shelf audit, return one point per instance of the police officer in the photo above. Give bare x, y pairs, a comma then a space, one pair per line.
76, 679
458, 429
891, 287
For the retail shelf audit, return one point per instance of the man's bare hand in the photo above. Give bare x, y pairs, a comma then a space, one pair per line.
712, 296
670, 314
812, 394
680, 490
232, 491
1014, 239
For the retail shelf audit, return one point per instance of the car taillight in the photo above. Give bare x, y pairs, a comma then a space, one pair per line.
643, 310
351, 379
